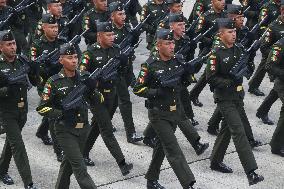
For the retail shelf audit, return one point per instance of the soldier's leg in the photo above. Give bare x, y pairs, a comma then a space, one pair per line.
198, 87
73, 161
277, 141
168, 146
105, 128
231, 113
42, 131
189, 132
14, 145
258, 76
56, 147
267, 103
186, 103
149, 132
92, 137
125, 106
214, 121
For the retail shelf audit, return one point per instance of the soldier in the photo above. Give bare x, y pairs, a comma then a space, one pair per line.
71, 126
98, 12
206, 21
165, 112
47, 42
96, 56
275, 67
157, 9
13, 110
272, 11
199, 7
228, 94
121, 30
15, 23
274, 33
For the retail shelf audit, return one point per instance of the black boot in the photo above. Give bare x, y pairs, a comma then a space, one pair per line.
60, 156
125, 167
151, 142
196, 102
265, 119
221, 167
45, 139
154, 184
278, 152
213, 130
6, 179
133, 138
30, 186
254, 178
89, 162
254, 143
194, 122
200, 147
256, 92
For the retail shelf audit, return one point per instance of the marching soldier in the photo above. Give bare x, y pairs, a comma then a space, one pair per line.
274, 33
96, 56
13, 110
165, 112
275, 67
206, 21
272, 11
228, 94
199, 7
71, 126
121, 30
98, 12
47, 42
157, 9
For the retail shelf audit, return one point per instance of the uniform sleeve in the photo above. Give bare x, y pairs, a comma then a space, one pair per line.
91, 34
274, 60
141, 87
144, 13
212, 75
263, 13
46, 107
266, 43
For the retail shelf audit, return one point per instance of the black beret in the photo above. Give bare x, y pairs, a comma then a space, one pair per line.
165, 34
67, 49
104, 26
225, 23
48, 19
176, 17
234, 9
173, 1
115, 6
6, 35
52, 1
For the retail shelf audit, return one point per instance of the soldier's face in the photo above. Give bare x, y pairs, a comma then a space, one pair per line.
8, 48
101, 5
176, 7
69, 62
3, 3
179, 28
55, 9
239, 20
118, 17
166, 48
106, 38
50, 30
218, 4
228, 36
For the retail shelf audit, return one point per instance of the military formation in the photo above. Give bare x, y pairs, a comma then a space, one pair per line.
39, 44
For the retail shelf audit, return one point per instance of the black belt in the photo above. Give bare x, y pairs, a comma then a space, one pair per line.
161, 107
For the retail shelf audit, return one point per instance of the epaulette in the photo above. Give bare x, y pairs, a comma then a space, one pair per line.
239, 45
244, 28
179, 57
56, 76
83, 74
150, 60
89, 12
22, 56
207, 13
128, 27
93, 47
280, 42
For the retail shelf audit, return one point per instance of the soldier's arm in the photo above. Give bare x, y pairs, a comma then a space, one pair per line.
266, 43
46, 107
144, 13
212, 75
274, 60
263, 13
91, 34
141, 87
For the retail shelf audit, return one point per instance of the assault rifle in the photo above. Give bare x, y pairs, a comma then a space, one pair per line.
64, 32
171, 78
190, 29
135, 32
240, 69
257, 7
253, 31
70, 6
75, 98
17, 9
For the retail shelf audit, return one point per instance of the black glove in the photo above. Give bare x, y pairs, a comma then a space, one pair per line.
90, 83
135, 37
123, 59
69, 117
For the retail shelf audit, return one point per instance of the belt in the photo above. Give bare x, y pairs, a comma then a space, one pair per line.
167, 108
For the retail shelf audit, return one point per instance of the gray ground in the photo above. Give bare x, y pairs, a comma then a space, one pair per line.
106, 173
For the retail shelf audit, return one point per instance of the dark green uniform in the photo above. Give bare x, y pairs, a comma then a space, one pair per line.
199, 7
204, 23
89, 23
37, 48
157, 12
71, 134
274, 33
271, 10
13, 110
96, 57
229, 94
16, 23
275, 67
